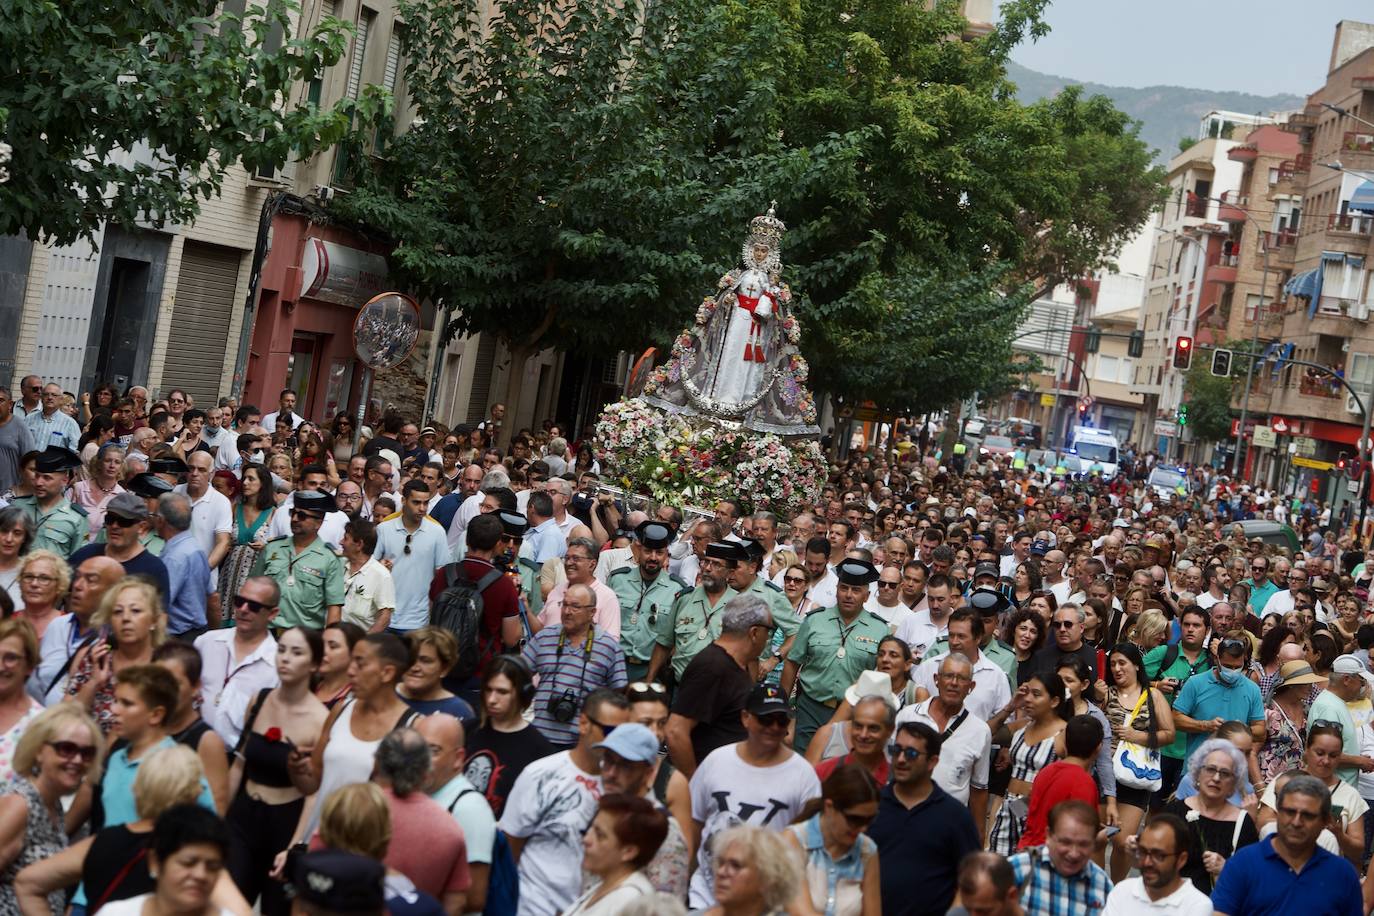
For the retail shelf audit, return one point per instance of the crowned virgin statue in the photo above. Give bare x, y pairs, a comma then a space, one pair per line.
739, 360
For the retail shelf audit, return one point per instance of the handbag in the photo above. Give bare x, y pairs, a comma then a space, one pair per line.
1135, 765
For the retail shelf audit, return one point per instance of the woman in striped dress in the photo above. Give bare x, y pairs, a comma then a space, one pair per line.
1045, 704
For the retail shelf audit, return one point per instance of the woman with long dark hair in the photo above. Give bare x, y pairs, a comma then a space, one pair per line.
252, 517
1044, 700
1024, 632
1026, 582
1141, 716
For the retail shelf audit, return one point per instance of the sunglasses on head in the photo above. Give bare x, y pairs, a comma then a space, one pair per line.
650, 687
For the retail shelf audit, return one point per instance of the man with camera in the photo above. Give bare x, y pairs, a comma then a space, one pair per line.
572, 659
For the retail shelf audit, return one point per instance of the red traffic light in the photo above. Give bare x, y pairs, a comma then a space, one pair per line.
1183, 353
1185, 342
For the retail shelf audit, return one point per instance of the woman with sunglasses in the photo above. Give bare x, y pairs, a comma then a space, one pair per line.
795, 584
841, 877
59, 751
1137, 714
253, 510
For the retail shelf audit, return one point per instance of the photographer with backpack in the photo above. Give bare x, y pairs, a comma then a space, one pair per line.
479, 604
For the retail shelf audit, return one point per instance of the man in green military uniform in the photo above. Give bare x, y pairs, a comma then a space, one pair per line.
149, 487
747, 581
646, 591
694, 620
832, 648
309, 574
58, 525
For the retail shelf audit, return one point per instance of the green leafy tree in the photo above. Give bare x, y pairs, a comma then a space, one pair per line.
1209, 399
89, 85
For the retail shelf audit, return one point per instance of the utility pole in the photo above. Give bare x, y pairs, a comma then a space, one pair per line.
1250, 367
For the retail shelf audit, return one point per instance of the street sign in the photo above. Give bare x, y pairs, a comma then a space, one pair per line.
1265, 437
1166, 428
1353, 486
1307, 447
1301, 462
1047, 400
1279, 425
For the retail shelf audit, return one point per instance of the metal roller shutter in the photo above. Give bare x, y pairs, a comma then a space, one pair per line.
204, 302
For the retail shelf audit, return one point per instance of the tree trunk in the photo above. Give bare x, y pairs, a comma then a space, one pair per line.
951, 433
515, 385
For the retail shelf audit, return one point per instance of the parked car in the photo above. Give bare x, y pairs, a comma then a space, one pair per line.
1270, 532
996, 446
975, 427
1165, 482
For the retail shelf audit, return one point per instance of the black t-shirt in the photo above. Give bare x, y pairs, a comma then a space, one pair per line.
713, 692
111, 853
142, 563
496, 758
380, 442
1047, 659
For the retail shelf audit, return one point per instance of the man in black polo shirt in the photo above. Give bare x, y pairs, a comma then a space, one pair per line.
716, 683
1066, 638
921, 830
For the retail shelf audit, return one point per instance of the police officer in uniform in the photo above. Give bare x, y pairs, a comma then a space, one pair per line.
149, 487
693, 623
832, 648
309, 574
746, 580
646, 591
58, 525
525, 572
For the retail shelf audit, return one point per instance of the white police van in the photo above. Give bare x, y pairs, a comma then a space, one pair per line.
1097, 448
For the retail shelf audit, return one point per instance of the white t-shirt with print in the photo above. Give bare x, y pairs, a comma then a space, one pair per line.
550, 806
727, 792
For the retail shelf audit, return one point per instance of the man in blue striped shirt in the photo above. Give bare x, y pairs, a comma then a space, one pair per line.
571, 659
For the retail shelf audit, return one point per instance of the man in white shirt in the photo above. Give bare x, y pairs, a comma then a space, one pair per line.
239, 662
369, 591
991, 689
1281, 602
286, 403
212, 515
214, 434
1161, 851
1054, 579
966, 748
922, 629
1216, 580
561, 491
313, 479
884, 601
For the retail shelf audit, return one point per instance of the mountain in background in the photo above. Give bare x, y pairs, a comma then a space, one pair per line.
1167, 113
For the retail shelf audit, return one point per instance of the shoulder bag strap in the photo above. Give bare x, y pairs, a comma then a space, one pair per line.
119, 878
67, 665
252, 718
461, 794
1235, 834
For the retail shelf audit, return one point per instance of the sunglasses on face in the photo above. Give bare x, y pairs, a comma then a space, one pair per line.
301, 513
257, 607
1063, 624
882, 584
909, 754
114, 521
70, 749
794, 580
774, 720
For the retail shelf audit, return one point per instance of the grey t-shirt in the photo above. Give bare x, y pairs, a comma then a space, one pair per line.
15, 440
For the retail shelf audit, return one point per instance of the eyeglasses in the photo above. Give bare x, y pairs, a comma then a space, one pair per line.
69, 749
775, 720
10, 659
257, 607
579, 607
570, 558
1231, 646
1326, 723
37, 577
899, 752
1145, 854
301, 513
1217, 773
605, 729
794, 580
653, 687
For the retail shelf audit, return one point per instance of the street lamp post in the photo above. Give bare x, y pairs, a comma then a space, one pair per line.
1250, 364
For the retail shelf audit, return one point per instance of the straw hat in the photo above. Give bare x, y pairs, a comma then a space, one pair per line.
1298, 672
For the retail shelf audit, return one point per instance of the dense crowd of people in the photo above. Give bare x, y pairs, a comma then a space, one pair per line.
249, 663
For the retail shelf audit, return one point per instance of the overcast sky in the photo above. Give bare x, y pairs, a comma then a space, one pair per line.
1202, 44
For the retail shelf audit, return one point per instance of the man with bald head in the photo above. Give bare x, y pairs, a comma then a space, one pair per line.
94, 576
450, 788
1052, 567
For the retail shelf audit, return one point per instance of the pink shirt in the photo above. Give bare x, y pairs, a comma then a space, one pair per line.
427, 845
607, 616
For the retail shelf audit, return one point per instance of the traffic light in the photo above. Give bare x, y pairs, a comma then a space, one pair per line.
1183, 415
1221, 363
1183, 353
1135, 347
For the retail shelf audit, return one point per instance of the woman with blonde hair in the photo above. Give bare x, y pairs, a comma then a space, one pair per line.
783, 558
132, 625
112, 864
1151, 630
755, 872
434, 651
357, 819
44, 578
60, 750
19, 651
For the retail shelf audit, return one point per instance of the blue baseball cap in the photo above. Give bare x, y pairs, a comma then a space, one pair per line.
632, 742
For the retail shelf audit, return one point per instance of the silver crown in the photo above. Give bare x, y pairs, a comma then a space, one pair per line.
767, 228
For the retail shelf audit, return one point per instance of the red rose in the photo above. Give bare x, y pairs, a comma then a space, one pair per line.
273, 734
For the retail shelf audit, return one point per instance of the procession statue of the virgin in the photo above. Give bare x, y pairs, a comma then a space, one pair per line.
739, 361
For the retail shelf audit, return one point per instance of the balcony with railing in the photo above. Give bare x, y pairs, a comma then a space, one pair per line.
1281, 247
1356, 141
1195, 206
1350, 224
1232, 208
1221, 268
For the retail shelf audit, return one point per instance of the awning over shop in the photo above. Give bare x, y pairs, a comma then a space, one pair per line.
1363, 198
1305, 284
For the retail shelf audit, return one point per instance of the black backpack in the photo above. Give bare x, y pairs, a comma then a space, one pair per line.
458, 609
